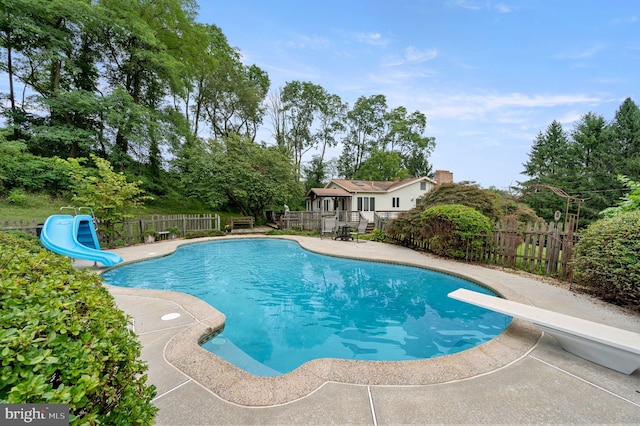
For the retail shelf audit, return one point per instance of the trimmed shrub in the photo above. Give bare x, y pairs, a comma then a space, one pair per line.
607, 259
466, 194
449, 229
63, 341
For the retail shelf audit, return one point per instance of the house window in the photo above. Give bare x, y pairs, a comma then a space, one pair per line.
423, 186
366, 204
395, 201
326, 205
318, 205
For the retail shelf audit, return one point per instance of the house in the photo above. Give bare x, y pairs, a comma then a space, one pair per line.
367, 196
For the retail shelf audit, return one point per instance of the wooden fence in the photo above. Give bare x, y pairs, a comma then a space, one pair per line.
133, 231
543, 248
28, 226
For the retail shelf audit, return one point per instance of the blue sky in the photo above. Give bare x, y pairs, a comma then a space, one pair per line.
488, 75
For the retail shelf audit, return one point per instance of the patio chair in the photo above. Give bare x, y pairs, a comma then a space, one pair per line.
361, 229
329, 226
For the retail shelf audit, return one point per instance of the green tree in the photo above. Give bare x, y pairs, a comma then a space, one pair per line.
382, 166
371, 128
315, 173
331, 115
52, 49
233, 96
365, 128
586, 165
243, 175
549, 164
592, 174
625, 132
405, 134
629, 202
16, 33
300, 105
108, 193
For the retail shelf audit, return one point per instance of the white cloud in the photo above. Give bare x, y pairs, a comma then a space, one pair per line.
582, 54
472, 133
374, 39
412, 54
570, 117
476, 5
627, 20
503, 8
496, 108
466, 4
396, 78
305, 42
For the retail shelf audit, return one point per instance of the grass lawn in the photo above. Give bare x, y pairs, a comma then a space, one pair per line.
35, 207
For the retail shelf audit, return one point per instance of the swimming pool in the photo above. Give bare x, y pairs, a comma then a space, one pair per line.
285, 305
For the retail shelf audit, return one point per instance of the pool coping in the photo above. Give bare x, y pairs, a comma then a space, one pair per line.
232, 384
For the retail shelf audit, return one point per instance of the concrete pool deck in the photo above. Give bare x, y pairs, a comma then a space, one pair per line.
522, 376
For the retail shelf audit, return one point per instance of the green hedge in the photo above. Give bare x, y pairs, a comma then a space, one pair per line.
63, 341
450, 228
607, 259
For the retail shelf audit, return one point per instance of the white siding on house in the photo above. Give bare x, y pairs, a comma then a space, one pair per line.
400, 199
407, 197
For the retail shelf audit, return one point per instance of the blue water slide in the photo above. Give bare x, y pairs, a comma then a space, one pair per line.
75, 236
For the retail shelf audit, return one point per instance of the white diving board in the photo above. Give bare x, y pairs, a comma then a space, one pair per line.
605, 345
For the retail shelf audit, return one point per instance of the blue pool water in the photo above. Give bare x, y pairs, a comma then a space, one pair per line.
285, 305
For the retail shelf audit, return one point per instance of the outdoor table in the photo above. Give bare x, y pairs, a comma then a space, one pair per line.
343, 232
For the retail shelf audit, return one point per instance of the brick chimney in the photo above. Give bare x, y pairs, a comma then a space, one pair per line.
443, 176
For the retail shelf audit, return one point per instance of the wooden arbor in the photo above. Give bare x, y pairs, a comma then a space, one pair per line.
571, 221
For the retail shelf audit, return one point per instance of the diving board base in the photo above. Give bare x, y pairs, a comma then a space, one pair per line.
616, 359
608, 346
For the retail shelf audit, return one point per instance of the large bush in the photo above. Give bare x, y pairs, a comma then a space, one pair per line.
466, 194
451, 229
21, 170
63, 341
607, 259
494, 204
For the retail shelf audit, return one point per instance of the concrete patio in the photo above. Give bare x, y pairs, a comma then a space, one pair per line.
522, 376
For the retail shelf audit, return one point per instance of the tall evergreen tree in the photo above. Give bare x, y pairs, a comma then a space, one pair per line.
586, 164
625, 132
549, 165
592, 173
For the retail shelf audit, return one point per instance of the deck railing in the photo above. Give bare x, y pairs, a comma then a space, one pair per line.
382, 218
312, 221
